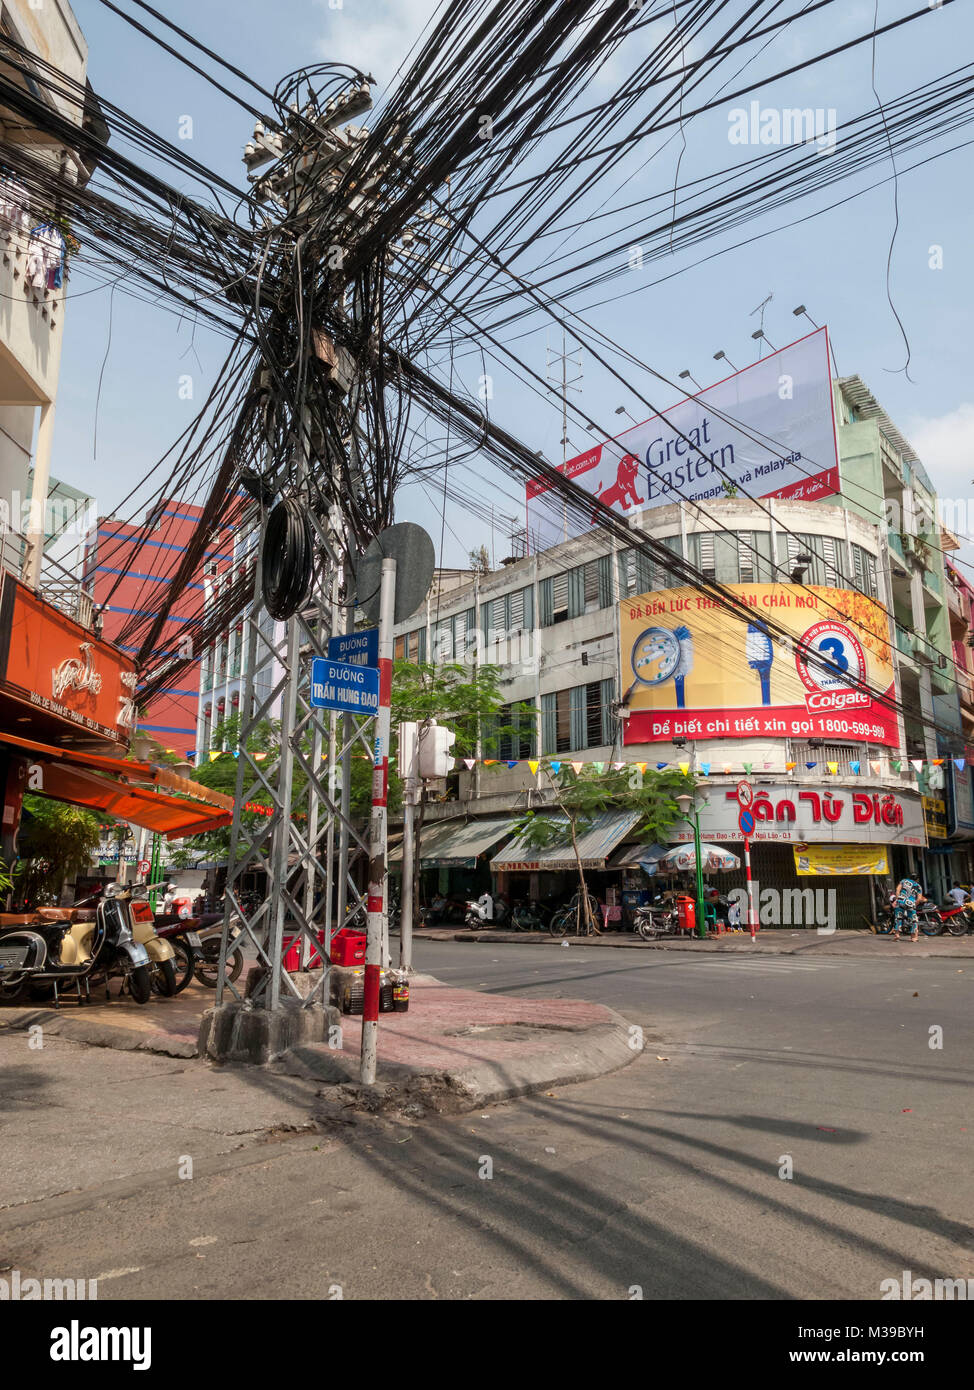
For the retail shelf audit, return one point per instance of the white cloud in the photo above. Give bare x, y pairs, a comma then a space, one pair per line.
375, 35
945, 444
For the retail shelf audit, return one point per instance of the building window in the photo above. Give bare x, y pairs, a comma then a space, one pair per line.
864, 571
399, 649
577, 718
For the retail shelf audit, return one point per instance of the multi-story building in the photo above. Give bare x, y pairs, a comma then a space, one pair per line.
128, 569
559, 624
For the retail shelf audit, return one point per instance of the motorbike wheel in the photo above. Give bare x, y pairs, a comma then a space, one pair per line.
41, 994
184, 964
956, 925
164, 978
208, 969
932, 926
646, 928
140, 984
558, 926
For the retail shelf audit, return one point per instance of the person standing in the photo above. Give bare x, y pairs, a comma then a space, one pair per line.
906, 900
958, 895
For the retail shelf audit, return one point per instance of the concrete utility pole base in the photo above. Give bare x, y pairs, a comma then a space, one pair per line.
237, 1032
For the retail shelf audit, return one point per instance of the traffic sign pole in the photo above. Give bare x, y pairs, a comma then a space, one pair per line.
752, 917
376, 920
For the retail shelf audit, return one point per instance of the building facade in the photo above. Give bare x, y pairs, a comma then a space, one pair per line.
556, 625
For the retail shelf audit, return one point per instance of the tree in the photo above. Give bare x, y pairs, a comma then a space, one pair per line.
480, 560
220, 774
55, 841
582, 796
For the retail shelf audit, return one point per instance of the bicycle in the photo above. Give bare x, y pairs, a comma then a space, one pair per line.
575, 912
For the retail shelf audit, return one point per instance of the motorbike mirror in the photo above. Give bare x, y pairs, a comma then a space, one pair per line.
112, 890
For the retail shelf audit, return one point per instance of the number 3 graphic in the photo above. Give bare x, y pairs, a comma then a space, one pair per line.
835, 649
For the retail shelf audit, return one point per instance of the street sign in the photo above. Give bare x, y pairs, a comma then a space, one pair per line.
745, 793
358, 648
746, 821
341, 686
144, 866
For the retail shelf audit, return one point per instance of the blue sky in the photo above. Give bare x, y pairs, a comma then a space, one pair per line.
834, 263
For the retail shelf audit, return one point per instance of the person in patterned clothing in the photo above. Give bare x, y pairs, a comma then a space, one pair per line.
907, 898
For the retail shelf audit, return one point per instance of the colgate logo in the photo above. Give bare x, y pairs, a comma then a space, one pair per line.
837, 699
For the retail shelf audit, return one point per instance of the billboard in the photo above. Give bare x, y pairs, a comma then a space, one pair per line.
827, 861
769, 428
692, 670
793, 813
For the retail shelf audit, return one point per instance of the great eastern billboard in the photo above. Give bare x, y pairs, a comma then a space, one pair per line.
690, 669
768, 429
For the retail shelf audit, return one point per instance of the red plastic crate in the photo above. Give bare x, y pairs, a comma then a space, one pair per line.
348, 948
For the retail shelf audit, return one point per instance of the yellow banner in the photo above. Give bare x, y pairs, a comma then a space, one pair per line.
839, 859
692, 669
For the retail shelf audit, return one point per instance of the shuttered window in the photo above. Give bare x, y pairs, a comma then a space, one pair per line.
705, 560
746, 559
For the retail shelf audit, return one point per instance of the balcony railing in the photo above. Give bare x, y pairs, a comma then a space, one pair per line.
59, 586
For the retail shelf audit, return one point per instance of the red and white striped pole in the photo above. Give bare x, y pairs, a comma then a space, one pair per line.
378, 829
752, 916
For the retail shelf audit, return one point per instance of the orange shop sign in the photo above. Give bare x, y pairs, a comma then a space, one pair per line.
54, 664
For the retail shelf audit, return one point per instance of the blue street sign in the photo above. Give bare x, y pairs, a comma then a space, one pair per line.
360, 648
746, 822
342, 686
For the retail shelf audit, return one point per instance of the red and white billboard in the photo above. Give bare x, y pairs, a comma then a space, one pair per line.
768, 430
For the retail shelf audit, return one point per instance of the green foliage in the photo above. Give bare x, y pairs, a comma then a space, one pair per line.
55, 842
580, 797
220, 775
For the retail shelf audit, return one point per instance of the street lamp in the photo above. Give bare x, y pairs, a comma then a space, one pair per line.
687, 806
685, 375
621, 410
721, 356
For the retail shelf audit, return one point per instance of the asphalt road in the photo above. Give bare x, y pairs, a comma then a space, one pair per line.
668, 1177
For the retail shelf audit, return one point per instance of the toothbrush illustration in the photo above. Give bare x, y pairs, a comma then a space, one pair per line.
760, 655
682, 634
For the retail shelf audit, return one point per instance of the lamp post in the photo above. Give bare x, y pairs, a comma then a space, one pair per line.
689, 809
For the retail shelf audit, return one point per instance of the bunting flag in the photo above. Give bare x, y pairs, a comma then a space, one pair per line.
917, 764
936, 762
555, 767
616, 767
959, 763
512, 762
684, 768
705, 769
833, 768
642, 767
855, 767
811, 765
876, 766
748, 767
489, 762
727, 767
533, 765
897, 765
790, 767
469, 763
259, 757
599, 768
214, 754
659, 766
576, 768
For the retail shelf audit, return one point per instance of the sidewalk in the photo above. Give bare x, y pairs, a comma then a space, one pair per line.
459, 1046
769, 941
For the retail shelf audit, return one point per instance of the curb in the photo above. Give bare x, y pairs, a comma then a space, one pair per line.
706, 948
594, 1051
98, 1034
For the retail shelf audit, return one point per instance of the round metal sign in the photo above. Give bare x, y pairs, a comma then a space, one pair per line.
412, 549
746, 822
745, 793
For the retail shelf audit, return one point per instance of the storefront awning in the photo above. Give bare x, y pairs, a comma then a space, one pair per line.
455, 844
126, 790
632, 856
594, 846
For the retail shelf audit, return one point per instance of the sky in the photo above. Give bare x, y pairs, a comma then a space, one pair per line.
120, 405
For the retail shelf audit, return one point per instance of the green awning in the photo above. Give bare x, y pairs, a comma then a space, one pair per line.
594, 846
455, 844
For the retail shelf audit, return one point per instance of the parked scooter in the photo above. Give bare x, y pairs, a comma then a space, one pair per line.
195, 939
56, 946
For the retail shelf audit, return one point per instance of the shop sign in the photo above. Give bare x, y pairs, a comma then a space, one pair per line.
54, 664
935, 817
837, 860
789, 813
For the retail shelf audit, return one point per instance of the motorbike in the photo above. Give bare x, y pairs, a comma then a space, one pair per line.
530, 916
475, 921
931, 919
53, 947
659, 919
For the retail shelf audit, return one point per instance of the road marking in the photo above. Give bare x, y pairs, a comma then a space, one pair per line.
770, 965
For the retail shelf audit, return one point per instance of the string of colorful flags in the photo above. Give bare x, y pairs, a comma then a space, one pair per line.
878, 766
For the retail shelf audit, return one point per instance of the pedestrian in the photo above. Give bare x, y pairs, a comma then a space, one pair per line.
958, 895
906, 899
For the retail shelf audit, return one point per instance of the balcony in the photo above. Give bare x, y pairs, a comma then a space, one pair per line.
59, 587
